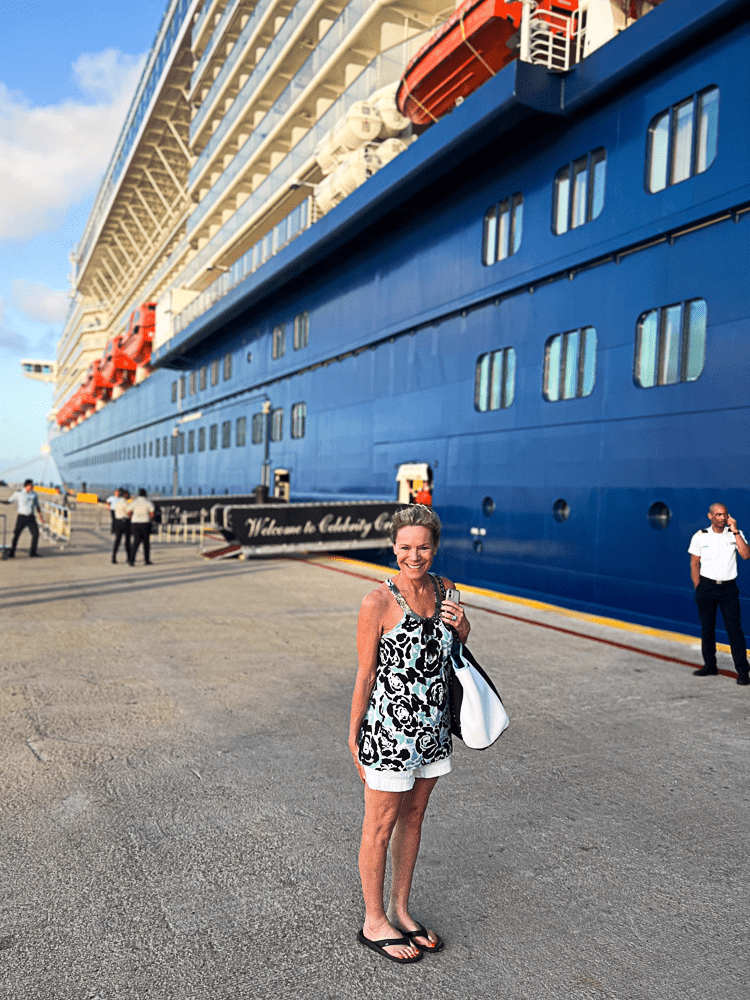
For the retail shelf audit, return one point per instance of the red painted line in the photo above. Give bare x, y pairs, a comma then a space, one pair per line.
553, 628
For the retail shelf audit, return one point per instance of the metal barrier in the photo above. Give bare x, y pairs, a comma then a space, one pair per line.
191, 534
58, 522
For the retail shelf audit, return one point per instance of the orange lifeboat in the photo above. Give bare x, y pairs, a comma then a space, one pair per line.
122, 357
140, 336
472, 46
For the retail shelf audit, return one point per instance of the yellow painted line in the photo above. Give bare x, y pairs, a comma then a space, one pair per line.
645, 630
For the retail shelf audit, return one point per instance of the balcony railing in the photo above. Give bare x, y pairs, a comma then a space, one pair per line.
295, 16
274, 240
338, 31
215, 38
384, 69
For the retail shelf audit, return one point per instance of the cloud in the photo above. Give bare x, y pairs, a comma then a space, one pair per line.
52, 157
10, 341
39, 302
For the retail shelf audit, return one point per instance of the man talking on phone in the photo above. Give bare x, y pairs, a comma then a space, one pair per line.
713, 569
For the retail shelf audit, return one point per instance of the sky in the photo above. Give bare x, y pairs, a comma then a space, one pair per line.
68, 71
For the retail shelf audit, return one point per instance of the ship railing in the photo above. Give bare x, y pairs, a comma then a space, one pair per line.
299, 219
259, 73
58, 522
339, 30
384, 69
214, 40
554, 39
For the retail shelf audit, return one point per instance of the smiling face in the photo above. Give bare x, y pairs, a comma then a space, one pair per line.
415, 550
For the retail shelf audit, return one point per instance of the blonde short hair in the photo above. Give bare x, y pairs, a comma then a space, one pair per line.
416, 516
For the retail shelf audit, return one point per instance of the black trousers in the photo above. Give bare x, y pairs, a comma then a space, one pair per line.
121, 529
141, 533
25, 521
709, 596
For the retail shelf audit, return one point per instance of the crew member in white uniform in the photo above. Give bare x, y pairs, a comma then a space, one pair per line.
28, 506
713, 569
141, 516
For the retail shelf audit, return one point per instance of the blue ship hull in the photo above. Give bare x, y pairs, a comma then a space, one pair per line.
401, 307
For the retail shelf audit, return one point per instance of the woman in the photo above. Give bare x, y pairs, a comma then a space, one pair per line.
399, 733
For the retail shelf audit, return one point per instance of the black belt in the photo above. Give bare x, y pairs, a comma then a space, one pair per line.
708, 578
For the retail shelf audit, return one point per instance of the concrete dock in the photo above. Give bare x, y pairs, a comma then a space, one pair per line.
180, 814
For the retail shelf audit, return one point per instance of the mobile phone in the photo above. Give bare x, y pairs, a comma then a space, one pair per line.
453, 595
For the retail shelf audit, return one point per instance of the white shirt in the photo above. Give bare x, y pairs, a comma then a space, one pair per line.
142, 510
121, 508
111, 501
717, 551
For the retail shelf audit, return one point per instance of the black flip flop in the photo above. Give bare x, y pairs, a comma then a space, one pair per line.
429, 949
379, 948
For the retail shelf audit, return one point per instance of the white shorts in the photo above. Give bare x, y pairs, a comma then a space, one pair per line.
402, 781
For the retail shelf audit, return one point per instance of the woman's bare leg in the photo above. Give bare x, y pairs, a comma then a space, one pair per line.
382, 810
405, 841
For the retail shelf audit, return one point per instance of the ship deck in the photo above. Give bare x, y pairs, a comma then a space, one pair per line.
181, 816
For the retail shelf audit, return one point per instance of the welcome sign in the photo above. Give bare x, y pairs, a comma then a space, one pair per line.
268, 528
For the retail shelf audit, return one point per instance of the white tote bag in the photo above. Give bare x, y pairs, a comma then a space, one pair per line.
478, 716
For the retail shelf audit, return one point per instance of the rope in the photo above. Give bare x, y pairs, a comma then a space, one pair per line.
468, 44
416, 100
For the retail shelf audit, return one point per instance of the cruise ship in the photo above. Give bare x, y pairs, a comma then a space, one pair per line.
355, 252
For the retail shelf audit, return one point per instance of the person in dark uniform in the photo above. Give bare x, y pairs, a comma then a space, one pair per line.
121, 523
713, 569
28, 507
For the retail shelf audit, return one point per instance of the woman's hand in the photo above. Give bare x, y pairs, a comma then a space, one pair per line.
453, 615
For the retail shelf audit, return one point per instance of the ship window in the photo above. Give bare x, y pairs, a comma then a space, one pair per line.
670, 344
191, 384
181, 442
241, 432
579, 192
201, 439
164, 452
277, 424
191, 442
174, 392
570, 364
215, 372
138, 450
226, 434
503, 227
495, 380
183, 386
683, 140
213, 436
202, 378
301, 331
299, 416
227, 367
278, 346
258, 431
150, 449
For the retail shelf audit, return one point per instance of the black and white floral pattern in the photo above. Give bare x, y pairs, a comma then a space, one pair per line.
407, 723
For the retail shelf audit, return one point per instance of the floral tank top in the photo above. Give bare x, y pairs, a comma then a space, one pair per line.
407, 723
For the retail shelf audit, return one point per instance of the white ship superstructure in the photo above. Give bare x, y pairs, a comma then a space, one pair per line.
238, 106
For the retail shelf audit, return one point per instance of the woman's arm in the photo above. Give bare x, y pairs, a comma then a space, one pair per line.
461, 622
369, 630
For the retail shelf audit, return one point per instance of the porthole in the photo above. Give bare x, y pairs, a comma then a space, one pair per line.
561, 510
659, 516
488, 506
